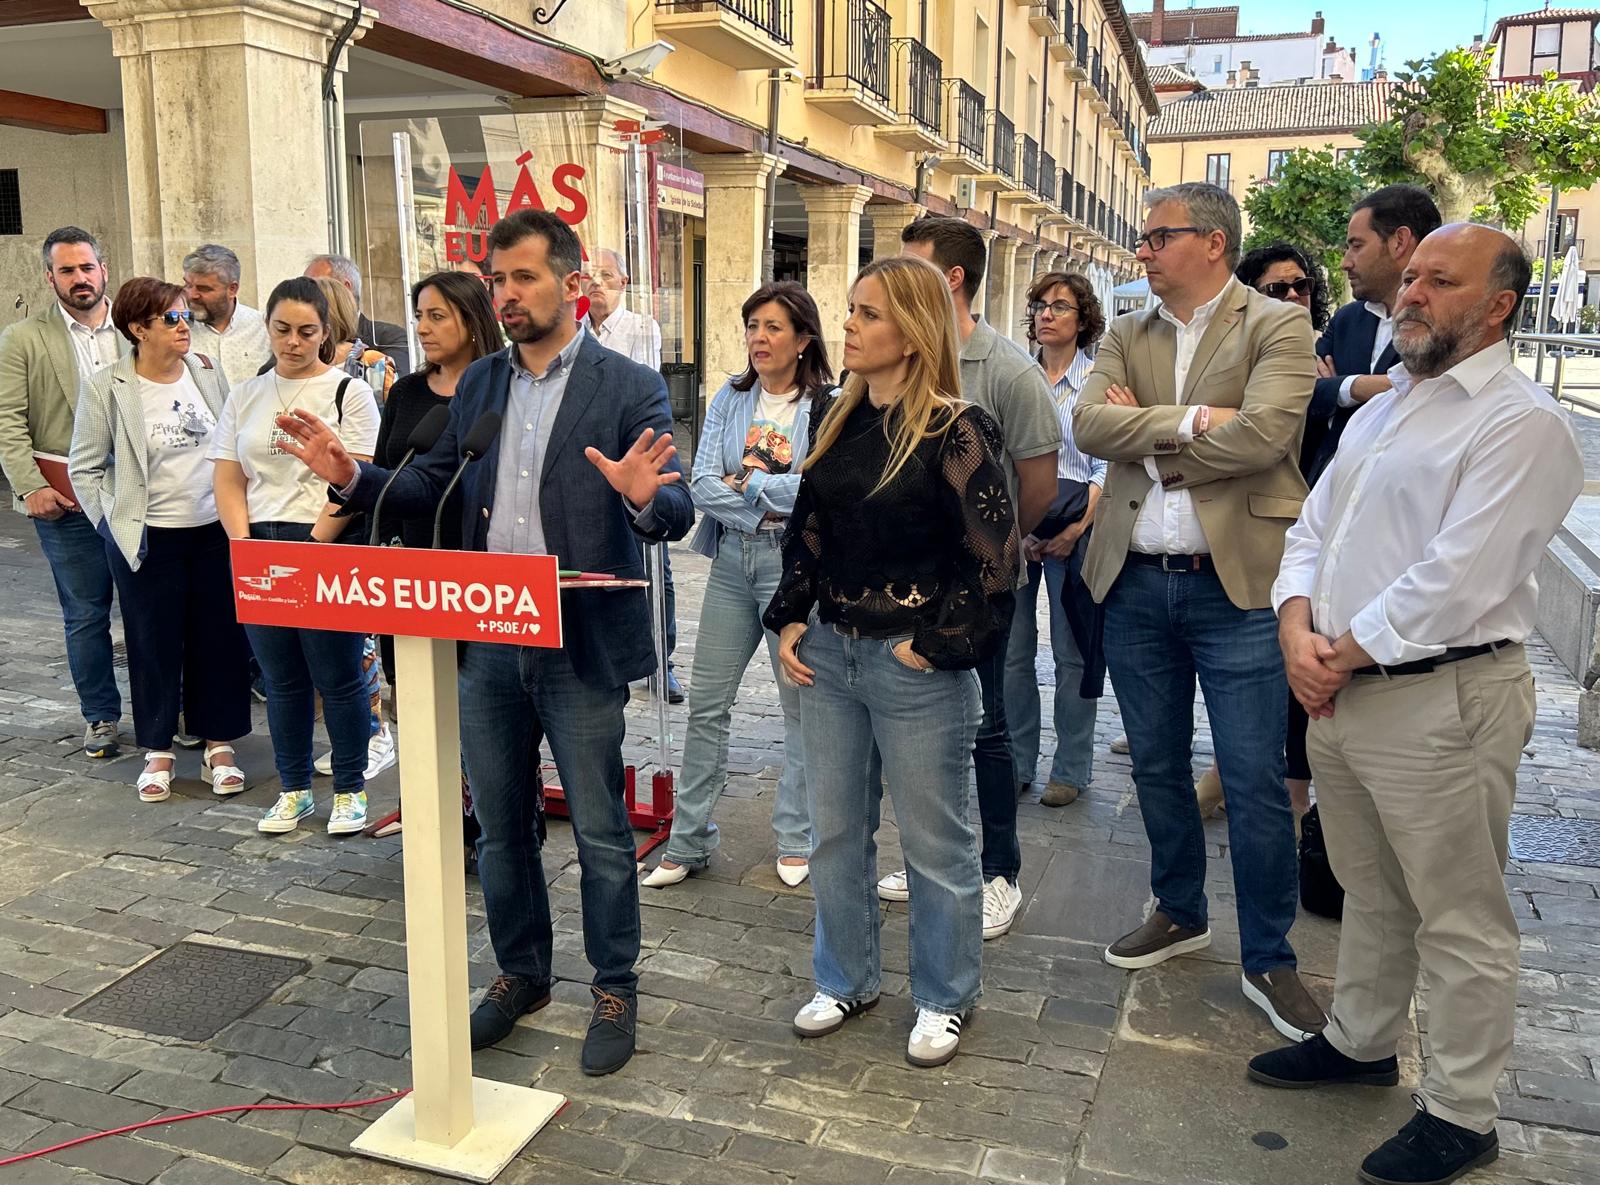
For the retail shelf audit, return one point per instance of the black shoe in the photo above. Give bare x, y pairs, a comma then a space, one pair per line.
609, 1044
1314, 1062
1429, 1151
508, 997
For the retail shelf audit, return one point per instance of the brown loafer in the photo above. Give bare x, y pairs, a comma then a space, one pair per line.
1284, 998
1158, 940
1059, 793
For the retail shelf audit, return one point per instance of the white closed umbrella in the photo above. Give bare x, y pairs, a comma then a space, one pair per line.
1567, 300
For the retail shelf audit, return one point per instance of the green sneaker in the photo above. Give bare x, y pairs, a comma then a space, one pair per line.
286, 813
349, 813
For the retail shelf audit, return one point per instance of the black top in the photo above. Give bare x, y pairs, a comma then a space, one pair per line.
409, 400
932, 555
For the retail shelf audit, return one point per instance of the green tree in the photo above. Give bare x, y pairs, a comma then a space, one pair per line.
1307, 204
1482, 153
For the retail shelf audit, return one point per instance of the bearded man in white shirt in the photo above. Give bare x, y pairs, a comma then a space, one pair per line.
1405, 595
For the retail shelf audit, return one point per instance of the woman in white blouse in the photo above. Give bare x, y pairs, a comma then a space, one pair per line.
266, 493
139, 466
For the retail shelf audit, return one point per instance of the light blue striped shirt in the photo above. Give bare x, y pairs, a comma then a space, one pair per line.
1075, 465
531, 406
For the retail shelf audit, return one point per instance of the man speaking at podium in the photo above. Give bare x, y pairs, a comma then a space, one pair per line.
583, 465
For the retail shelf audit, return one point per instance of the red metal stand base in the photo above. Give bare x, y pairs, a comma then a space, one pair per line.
655, 818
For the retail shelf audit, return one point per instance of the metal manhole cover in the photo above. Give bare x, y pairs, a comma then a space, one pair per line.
192, 990
1547, 839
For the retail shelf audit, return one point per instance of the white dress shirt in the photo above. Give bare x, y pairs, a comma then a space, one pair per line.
1073, 464
1167, 524
631, 334
240, 350
1425, 531
96, 347
1380, 343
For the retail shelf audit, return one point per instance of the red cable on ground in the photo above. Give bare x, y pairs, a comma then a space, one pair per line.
161, 1122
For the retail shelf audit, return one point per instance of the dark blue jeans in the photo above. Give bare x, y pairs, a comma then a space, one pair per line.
297, 664
1161, 631
994, 770
512, 697
77, 556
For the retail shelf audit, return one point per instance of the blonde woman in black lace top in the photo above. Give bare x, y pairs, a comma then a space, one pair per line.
898, 566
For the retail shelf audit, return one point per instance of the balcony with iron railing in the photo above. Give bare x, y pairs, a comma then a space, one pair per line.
744, 34
1047, 179
1002, 145
963, 128
1078, 68
852, 81
1097, 83
1044, 17
1080, 202
918, 89
1061, 45
1028, 160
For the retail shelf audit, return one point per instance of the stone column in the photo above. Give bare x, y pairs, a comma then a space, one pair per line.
1027, 253
736, 235
224, 129
888, 220
999, 285
833, 253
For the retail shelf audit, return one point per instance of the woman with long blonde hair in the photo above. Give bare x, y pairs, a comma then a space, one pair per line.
898, 565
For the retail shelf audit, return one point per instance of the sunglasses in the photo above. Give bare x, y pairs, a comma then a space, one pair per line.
174, 317
1280, 289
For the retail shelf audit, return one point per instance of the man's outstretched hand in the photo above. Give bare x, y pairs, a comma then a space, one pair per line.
307, 437
638, 473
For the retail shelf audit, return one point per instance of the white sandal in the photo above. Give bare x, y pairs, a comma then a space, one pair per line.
153, 785
224, 780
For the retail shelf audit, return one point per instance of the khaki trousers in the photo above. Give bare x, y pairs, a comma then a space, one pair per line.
1415, 778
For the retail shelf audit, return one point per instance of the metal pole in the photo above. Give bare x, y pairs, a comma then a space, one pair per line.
406, 224
1551, 225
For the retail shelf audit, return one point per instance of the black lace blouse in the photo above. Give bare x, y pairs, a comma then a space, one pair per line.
933, 554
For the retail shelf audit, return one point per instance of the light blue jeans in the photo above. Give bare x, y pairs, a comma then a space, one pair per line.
1074, 716
743, 578
923, 723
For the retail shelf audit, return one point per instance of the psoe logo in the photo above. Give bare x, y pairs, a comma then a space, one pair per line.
274, 573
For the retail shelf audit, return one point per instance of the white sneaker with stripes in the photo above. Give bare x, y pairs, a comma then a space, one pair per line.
934, 1039
824, 1014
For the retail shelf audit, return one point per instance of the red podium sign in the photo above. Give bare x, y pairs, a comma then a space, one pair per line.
471, 596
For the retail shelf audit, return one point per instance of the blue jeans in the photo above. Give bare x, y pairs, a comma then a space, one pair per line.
299, 663
1074, 716
743, 578
1163, 629
77, 556
923, 724
513, 697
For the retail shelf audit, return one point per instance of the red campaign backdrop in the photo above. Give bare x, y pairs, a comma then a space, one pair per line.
471, 596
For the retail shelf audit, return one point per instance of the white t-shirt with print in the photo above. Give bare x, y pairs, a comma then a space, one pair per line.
279, 487
771, 433
179, 429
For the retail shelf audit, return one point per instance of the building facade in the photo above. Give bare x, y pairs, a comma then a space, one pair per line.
775, 137
1207, 44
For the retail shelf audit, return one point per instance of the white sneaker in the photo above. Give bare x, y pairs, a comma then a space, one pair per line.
824, 1015
1001, 900
380, 755
934, 1039
895, 887
1120, 744
349, 813
286, 813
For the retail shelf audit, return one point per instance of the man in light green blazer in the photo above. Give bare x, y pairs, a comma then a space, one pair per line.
43, 361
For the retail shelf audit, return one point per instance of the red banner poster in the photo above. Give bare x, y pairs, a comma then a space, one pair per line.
472, 596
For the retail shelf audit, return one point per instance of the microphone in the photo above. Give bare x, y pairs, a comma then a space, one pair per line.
423, 437
473, 445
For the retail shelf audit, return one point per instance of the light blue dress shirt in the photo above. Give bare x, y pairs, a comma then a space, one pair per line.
532, 402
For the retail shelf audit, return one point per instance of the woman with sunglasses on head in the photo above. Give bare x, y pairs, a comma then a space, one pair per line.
1283, 272
264, 492
898, 564
1064, 322
139, 467
745, 480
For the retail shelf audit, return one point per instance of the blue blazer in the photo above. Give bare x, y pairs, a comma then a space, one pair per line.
608, 402
1348, 340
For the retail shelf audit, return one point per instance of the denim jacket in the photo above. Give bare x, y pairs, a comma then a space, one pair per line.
720, 451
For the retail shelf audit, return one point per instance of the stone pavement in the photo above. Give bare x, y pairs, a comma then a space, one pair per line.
1071, 1071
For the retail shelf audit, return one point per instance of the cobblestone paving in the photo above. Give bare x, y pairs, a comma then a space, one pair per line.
1072, 1071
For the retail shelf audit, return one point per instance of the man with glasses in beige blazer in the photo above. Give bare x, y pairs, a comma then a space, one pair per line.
1199, 406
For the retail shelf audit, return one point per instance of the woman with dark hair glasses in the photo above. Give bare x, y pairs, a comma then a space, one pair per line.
1284, 272
746, 475
139, 468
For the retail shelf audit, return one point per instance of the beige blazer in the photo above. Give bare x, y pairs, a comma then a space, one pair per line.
1256, 355
39, 384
